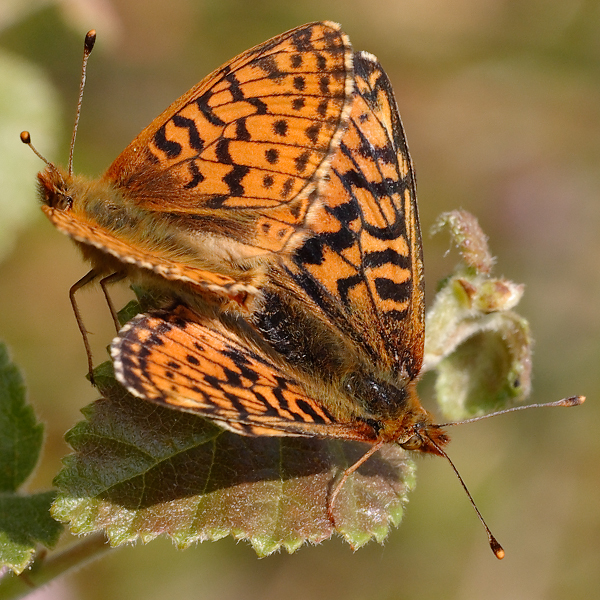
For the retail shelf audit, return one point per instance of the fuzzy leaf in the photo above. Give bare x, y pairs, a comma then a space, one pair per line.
479, 347
141, 470
489, 371
468, 237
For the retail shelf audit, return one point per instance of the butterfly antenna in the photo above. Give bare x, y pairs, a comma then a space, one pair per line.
494, 544
88, 45
497, 549
26, 139
571, 401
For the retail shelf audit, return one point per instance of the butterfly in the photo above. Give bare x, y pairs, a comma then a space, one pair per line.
223, 180
344, 312
335, 347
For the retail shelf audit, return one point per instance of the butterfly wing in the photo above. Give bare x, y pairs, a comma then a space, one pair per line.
240, 155
175, 267
343, 315
178, 358
361, 270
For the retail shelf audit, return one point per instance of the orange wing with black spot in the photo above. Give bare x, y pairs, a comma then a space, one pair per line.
361, 270
226, 178
336, 343
181, 359
240, 154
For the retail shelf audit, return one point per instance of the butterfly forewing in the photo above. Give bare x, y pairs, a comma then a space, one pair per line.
245, 148
361, 269
224, 179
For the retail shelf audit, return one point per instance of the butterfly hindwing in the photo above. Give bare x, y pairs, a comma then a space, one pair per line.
171, 266
178, 358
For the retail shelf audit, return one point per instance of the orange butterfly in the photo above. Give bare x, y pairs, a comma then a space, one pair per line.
222, 180
345, 311
335, 345
343, 315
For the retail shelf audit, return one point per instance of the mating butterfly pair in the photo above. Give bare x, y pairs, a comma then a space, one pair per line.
275, 204
276, 198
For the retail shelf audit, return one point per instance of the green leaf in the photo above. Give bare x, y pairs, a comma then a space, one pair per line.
20, 435
488, 371
141, 470
24, 520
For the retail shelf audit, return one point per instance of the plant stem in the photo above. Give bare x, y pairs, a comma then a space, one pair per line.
46, 567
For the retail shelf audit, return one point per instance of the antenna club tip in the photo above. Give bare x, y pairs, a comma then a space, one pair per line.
573, 401
25, 137
497, 549
90, 40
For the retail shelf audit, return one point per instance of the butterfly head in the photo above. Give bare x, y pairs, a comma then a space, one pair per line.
402, 418
54, 188
426, 437
54, 182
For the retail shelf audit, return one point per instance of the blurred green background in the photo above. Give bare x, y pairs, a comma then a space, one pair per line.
501, 104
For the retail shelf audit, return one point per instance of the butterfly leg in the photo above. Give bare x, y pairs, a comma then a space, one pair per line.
337, 489
110, 279
85, 280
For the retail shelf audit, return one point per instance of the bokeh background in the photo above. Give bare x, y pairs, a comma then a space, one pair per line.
501, 104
